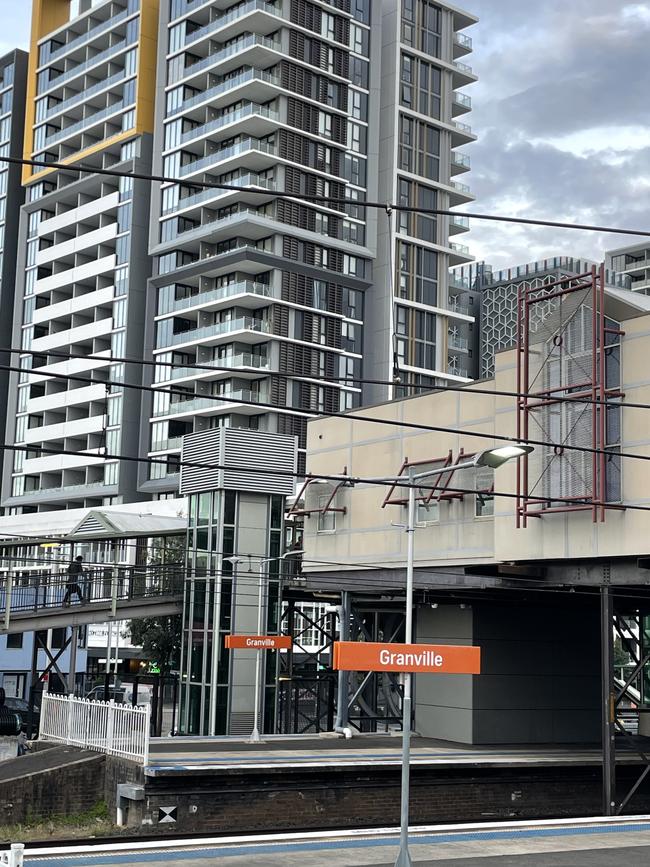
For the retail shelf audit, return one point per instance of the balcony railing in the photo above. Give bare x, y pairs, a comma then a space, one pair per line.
463, 100
244, 323
463, 67
462, 160
457, 307
249, 180
456, 342
239, 288
230, 16
463, 40
252, 74
222, 154
80, 98
192, 404
463, 127
241, 360
84, 123
60, 79
459, 371
462, 188
248, 110
86, 37
460, 248
460, 222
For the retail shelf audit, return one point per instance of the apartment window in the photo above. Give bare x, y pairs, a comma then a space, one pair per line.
328, 26
421, 226
359, 40
325, 124
354, 170
326, 520
484, 500
418, 274
173, 133
428, 513
357, 137
359, 72
176, 37
14, 641
421, 85
421, 25
416, 342
420, 148
131, 62
358, 105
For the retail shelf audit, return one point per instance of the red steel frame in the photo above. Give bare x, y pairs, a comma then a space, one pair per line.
595, 389
437, 489
328, 507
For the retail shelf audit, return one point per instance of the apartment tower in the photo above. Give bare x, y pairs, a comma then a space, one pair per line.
83, 263
335, 101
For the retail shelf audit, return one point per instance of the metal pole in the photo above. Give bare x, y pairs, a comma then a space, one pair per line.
255, 734
72, 673
343, 676
9, 583
403, 857
607, 702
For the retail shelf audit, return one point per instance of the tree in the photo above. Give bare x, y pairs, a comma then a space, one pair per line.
160, 639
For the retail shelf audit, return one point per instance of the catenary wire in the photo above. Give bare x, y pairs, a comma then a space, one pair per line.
144, 176
466, 387
351, 480
348, 415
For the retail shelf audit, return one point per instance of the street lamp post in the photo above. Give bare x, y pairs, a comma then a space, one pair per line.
493, 458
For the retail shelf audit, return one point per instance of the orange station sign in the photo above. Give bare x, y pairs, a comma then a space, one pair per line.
429, 658
258, 642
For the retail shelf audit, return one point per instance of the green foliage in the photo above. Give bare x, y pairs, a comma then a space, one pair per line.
159, 637
89, 823
621, 656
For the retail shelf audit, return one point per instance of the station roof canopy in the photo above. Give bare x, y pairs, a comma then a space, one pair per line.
128, 521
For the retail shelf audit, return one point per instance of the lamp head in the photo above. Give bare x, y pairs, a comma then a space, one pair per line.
499, 455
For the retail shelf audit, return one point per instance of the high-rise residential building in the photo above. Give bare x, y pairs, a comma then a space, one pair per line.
634, 262
338, 101
82, 261
13, 83
263, 309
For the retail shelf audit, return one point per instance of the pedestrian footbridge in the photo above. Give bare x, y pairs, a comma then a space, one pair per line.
34, 602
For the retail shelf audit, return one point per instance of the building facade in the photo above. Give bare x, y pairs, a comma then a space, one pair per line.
260, 309
82, 262
633, 262
316, 99
13, 84
495, 551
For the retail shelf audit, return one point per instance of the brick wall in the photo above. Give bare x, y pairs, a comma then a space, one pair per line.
31, 793
340, 799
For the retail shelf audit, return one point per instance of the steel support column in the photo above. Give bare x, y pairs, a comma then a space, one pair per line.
608, 701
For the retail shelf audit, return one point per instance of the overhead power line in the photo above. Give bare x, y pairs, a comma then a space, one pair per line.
351, 479
441, 212
465, 388
350, 415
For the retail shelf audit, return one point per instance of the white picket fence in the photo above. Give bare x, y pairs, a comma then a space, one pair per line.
115, 729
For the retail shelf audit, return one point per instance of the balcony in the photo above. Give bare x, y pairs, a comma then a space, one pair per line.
223, 293
208, 195
458, 371
460, 103
238, 362
236, 150
459, 343
461, 134
84, 38
203, 405
460, 194
82, 68
457, 306
462, 44
84, 124
225, 88
219, 329
460, 163
459, 255
84, 95
233, 16
250, 110
462, 74
458, 224
246, 43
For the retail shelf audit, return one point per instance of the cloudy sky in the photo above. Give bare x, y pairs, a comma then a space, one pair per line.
562, 112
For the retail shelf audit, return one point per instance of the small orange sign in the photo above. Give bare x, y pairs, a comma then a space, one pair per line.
258, 642
431, 658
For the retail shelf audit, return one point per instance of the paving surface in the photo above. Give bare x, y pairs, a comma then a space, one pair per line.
599, 846
44, 760
199, 756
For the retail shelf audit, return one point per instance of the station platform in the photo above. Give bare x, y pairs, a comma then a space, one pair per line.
203, 756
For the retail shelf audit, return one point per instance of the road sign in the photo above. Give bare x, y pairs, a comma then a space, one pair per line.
430, 658
258, 642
